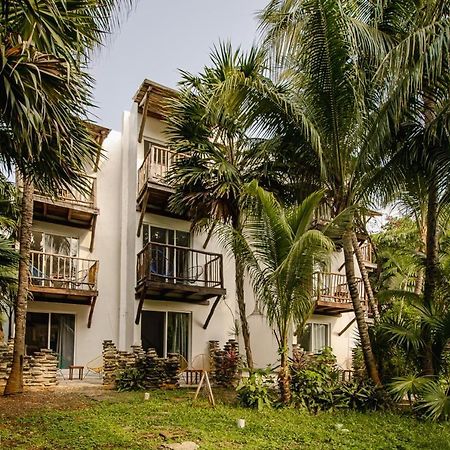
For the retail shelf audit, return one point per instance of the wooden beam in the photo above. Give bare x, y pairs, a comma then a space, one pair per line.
141, 304
91, 311
347, 327
144, 114
211, 312
93, 227
143, 210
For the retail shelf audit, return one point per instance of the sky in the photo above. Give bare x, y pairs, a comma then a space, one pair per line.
160, 37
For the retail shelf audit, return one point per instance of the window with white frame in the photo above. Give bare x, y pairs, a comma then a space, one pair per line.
166, 332
315, 337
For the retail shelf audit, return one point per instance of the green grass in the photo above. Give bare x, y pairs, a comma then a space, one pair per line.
126, 421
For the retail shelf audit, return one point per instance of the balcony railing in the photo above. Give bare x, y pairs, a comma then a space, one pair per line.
367, 253
333, 287
179, 265
156, 164
63, 272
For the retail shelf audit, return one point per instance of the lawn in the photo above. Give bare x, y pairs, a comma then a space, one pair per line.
109, 420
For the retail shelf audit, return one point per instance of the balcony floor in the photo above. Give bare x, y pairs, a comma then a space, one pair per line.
63, 212
178, 292
332, 308
157, 200
63, 295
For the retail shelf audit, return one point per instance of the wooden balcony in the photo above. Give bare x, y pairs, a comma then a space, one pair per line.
153, 189
332, 294
368, 255
68, 207
64, 279
171, 273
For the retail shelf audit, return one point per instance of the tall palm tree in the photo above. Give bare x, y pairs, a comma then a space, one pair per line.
209, 126
44, 97
281, 251
315, 46
353, 67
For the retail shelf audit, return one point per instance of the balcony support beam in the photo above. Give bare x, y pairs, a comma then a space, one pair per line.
144, 114
143, 210
211, 312
93, 227
140, 305
91, 311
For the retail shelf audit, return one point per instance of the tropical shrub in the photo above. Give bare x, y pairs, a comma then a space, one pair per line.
317, 385
226, 367
131, 379
314, 381
428, 396
257, 390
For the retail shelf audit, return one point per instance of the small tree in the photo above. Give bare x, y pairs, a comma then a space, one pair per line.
281, 251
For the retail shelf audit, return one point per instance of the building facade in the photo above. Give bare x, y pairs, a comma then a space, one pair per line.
117, 264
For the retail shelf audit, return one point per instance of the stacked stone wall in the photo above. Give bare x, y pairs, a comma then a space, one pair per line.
39, 370
158, 372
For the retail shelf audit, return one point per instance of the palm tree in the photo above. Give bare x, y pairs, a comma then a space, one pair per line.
315, 45
209, 126
353, 68
44, 97
281, 251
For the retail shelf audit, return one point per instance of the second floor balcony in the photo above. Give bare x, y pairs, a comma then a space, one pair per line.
69, 207
172, 273
332, 294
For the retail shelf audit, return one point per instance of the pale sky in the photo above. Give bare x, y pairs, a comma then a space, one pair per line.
160, 37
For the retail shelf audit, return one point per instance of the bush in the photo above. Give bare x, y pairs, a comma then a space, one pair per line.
256, 390
428, 396
226, 367
131, 379
314, 381
317, 385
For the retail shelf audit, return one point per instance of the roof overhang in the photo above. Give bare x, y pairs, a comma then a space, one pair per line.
156, 96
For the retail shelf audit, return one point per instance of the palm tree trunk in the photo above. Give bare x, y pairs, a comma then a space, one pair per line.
431, 272
14, 385
365, 277
369, 359
284, 376
420, 275
242, 313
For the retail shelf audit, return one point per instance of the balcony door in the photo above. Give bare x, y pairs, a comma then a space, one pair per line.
52, 262
170, 260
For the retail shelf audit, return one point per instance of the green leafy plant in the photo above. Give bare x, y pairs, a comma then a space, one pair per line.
131, 379
428, 396
256, 391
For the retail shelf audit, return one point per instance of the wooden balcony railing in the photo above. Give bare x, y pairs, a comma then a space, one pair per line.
74, 197
179, 265
367, 252
332, 287
63, 272
156, 164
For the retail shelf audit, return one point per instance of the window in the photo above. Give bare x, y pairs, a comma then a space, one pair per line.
166, 332
315, 337
54, 244
54, 331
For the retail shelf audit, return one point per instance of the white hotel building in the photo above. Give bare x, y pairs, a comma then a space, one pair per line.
118, 265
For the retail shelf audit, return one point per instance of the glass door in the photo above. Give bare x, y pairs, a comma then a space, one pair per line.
54, 331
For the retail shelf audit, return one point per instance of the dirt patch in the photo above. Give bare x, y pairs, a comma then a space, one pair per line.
55, 399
